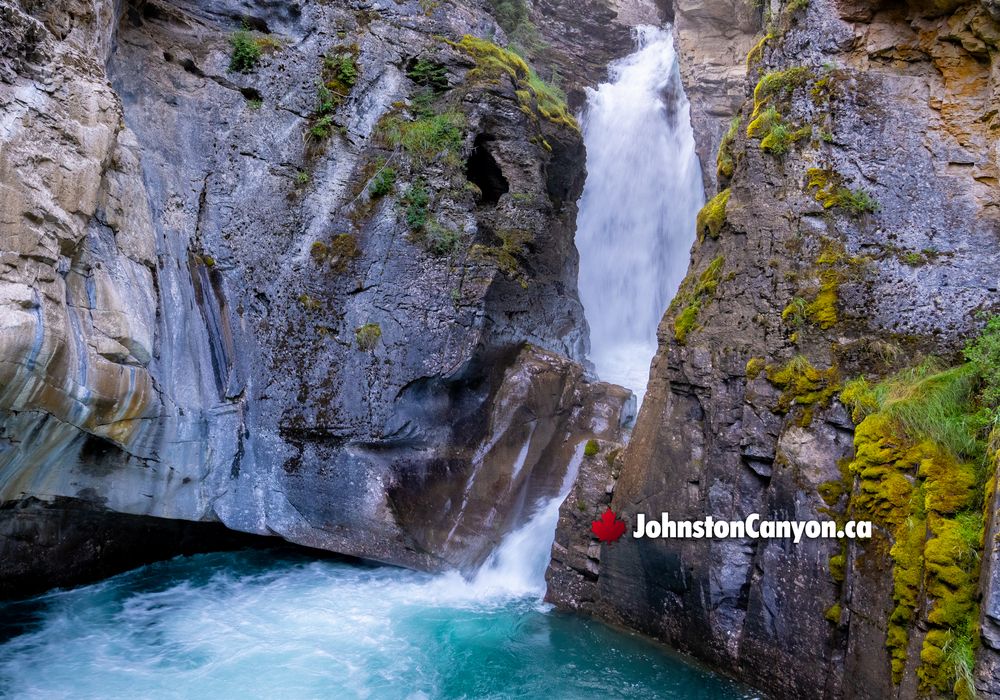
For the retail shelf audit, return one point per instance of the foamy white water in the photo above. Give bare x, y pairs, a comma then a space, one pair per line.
637, 214
267, 625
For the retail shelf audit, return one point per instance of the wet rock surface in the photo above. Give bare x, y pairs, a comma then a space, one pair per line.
897, 102
64, 542
219, 306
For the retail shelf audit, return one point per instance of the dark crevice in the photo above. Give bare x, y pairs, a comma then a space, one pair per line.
190, 66
483, 171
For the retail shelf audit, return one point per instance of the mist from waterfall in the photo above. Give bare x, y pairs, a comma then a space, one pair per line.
636, 221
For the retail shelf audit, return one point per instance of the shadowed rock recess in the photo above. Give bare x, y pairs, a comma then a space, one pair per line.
303, 269
850, 152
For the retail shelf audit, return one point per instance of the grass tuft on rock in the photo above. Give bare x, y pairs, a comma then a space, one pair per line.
367, 336
925, 471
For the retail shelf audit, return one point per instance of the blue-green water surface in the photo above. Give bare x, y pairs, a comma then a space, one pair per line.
266, 624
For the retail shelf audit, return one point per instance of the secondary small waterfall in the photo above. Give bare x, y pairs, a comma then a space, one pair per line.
637, 214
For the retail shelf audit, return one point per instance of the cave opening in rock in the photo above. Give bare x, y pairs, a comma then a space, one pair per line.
484, 172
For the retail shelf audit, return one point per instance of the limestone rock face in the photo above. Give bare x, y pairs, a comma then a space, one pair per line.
712, 40
328, 294
894, 108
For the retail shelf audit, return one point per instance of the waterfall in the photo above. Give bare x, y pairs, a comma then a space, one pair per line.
517, 566
637, 214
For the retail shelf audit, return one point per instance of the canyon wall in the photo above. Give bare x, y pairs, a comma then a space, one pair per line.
303, 269
852, 231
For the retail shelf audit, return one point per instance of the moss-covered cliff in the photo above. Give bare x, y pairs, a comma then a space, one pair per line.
812, 364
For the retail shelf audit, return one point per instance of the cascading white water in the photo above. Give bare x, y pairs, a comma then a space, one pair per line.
637, 214
257, 624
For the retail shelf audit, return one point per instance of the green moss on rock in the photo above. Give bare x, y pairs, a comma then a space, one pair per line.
755, 365
367, 336
713, 215
832, 613
725, 160
922, 470
803, 385
690, 300
493, 63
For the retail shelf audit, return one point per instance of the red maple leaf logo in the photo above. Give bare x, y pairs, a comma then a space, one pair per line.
608, 528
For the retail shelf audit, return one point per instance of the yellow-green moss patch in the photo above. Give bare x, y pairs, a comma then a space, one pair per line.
832, 613
923, 471
757, 52
779, 84
713, 215
367, 336
755, 365
725, 160
493, 63
803, 385
691, 297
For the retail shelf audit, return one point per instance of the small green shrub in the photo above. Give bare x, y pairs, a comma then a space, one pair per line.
340, 70
440, 240
830, 193
326, 101
367, 336
857, 202
383, 183
592, 448
429, 74
416, 201
246, 52
322, 128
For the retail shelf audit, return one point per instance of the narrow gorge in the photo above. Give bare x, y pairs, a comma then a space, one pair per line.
308, 291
